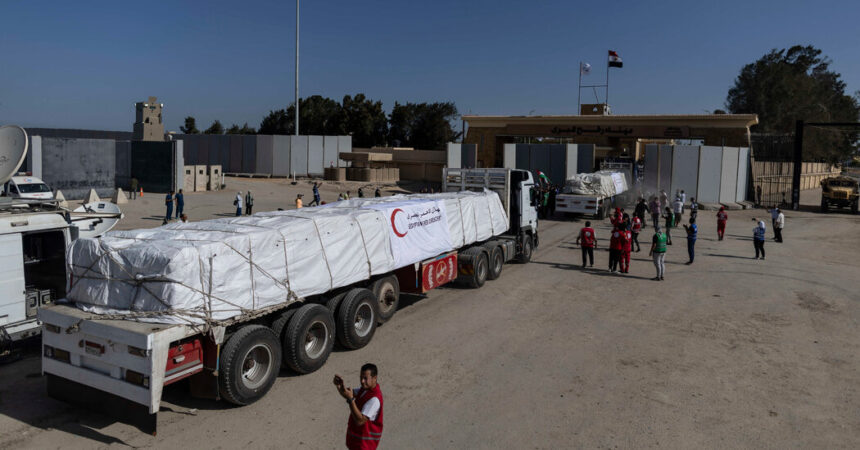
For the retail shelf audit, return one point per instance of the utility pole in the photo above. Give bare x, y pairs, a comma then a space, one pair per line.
297, 67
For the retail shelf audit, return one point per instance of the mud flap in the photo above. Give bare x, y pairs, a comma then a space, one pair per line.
117, 408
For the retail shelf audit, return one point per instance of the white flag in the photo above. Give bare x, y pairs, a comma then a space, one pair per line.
584, 68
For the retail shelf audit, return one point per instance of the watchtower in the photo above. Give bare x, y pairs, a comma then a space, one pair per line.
147, 123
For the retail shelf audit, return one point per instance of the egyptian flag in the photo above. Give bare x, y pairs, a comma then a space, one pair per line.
614, 59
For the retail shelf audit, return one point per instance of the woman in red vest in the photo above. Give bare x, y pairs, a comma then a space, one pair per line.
722, 218
364, 429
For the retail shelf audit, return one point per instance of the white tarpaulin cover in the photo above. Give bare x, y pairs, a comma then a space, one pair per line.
604, 183
212, 270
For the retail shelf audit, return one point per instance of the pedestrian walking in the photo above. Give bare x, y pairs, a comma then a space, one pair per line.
683, 200
360, 193
364, 428
722, 218
237, 202
655, 209
635, 229
670, 222
134, 187
346, 196
624, 260
615, 247
692, 233
778, 225
758, 238
340, 196
616, 218
249, 203
376, 193
316, 190
180, 203
678, 209
299, 201
664, 198
658, 252
587, 241
640, 210
694, 207
758, 196
168, 203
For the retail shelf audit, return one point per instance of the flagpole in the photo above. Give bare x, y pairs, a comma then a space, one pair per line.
579, 92
607, 82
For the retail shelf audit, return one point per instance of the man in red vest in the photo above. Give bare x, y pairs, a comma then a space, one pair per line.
364, 429
587, 241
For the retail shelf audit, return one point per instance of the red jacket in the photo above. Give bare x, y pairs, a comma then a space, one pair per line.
367, 436
637, 224
626, 239
586, 237
615, 242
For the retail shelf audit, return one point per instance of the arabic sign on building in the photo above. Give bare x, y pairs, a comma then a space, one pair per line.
418, 230
600, 131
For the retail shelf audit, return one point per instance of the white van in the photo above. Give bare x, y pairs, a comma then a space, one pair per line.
28, 188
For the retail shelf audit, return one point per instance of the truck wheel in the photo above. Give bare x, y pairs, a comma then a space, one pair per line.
823, 205
480, 267
526, 253
497, 261
387, 292
280, 324
854, 207
334, 303
250, 361
356, 318
309, 338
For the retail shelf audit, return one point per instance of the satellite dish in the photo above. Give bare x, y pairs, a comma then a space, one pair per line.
96, 218
13, 149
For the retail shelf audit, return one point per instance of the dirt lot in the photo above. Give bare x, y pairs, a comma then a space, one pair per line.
730, 352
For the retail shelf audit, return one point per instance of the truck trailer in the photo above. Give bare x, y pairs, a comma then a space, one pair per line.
119, 360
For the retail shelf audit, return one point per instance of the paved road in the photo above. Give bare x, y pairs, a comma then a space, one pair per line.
729, 352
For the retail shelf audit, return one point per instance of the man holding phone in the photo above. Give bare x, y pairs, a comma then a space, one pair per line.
364, 429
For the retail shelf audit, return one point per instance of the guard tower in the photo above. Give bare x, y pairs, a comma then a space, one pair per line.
147, 123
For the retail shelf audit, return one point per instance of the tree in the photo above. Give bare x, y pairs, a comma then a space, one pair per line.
215, 128
234, 129
318, 116
423, 125
277, 122
796, 84
190, 126
365, 120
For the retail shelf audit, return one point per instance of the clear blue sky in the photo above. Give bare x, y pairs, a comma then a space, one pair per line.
84, 64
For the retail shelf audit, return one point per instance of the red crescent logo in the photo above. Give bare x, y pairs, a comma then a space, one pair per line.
393, 226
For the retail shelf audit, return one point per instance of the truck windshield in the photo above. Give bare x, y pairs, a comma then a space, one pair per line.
33, 188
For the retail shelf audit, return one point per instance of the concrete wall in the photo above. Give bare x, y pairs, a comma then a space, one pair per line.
330, 154
710, 174
265, 145
281, 156
316, 155
249, 154
685, 170
299, 155
153, 163
664, 183
652, 169
571, 161
584, 158
344, 144
743, 173
729, 175
509, 160
77, 165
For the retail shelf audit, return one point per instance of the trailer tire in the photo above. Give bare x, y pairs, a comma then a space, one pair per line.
356, 318
249, 364
480, 266
496, 262
387, 292
309, 338
280, 324
334, 303
526, 254
824, 206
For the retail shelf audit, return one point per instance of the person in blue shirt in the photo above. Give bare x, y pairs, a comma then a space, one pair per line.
168, 203
316, 190
692, 234
758, 237
180, 204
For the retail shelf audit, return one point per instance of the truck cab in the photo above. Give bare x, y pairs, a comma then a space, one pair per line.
27, 187
32, 270
840, 192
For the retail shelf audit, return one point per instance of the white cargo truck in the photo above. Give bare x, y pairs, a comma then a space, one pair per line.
225, 303
592, 193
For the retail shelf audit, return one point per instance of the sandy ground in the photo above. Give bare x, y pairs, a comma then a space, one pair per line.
730, 352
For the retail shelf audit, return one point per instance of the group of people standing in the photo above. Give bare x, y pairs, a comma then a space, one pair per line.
169, 199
